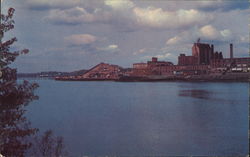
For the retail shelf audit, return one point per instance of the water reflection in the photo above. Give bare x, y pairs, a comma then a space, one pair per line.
17, 136
106, 118
196, 93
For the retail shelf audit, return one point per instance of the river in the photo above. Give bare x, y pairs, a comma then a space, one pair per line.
144, 118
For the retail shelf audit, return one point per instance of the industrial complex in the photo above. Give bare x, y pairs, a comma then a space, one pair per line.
204, 64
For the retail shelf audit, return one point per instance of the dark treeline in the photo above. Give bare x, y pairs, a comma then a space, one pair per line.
51, 74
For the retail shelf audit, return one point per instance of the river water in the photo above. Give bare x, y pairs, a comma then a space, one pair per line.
144, 118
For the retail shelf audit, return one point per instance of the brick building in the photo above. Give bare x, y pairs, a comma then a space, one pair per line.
202, 54
153, 67
155, 63
187, 60
203, 61
140, 65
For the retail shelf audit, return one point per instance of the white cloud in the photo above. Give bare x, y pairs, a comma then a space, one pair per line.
143, 50
119, 4
151, 16
226, 33
209, 32
173, 41
77, 15
244, 39
131, 16
113, 46
192, 17
160, 56
184, 38
157, 17
164, 56
110, 48
80, 39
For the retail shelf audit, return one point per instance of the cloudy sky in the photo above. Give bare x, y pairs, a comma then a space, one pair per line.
67, 35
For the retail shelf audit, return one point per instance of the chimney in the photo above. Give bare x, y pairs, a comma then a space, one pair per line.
231, 51
220, 55
154, 59
216, 55
211, 53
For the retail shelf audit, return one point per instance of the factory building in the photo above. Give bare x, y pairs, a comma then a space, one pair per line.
140, 65
203, 61
153, 67
187, 60
155, 63
202, 54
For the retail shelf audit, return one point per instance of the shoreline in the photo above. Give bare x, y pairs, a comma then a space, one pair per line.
169, 79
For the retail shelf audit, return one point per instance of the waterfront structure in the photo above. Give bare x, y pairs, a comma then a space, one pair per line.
204, 63
153, 67
187, 60
202, 52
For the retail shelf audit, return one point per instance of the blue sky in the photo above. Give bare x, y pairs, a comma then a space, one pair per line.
65, 35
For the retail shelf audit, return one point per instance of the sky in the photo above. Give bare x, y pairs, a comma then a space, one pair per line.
68, 35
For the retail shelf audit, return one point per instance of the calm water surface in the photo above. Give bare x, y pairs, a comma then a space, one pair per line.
165, 118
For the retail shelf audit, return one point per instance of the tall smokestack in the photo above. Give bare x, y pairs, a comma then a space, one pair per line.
220, 55
231, 51
211, 54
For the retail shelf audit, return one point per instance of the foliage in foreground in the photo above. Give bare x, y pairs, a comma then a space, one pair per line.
16, 134
13, 97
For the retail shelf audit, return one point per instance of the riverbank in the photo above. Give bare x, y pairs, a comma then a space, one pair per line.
200, 78
229, 77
